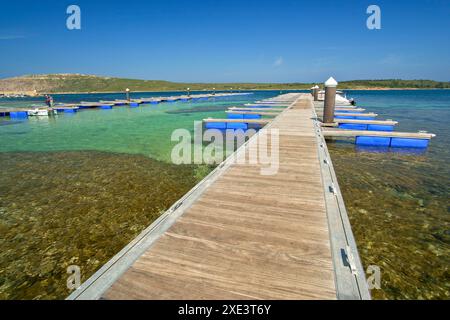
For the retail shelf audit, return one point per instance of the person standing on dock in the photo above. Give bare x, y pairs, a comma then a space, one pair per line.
48, 100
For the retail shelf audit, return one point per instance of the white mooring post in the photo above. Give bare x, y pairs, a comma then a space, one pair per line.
330, 100
316, 92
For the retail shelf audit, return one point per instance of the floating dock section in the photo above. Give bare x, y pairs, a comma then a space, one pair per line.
22, 113
242, 235
367, 131
382, 138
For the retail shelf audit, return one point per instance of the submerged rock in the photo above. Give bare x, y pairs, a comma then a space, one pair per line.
64, 208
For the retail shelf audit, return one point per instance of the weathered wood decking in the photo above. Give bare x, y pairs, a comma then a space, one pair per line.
331, 132
243, 235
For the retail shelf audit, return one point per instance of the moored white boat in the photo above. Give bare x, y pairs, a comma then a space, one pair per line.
38, 112
340, 100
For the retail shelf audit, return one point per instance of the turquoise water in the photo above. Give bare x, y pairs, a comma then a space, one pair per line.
144, 130
74, 189
398, 201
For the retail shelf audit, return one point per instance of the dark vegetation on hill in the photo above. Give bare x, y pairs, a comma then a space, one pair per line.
53, 83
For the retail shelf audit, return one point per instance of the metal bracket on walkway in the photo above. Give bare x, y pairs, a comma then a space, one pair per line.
349, 273
332, 189
351, 260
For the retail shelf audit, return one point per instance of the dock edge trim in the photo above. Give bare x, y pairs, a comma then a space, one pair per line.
97, 284
350, 279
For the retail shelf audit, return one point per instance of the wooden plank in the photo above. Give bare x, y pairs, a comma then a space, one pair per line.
9, 110
240, 234
123, 101
328, 132
58, 105
222, 248
64, 107
371, 114
262, 113
100, 103
256, 109
337, 109
111, 103
150, 99
356, 121
256, 121
266, 104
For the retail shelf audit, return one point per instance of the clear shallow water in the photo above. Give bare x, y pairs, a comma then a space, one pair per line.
398, 202
75, 189
145, 130
76, 208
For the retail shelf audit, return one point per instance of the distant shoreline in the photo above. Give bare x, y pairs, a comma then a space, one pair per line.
85, 84
249, 90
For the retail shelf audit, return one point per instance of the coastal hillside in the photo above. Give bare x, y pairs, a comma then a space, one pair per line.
58, 83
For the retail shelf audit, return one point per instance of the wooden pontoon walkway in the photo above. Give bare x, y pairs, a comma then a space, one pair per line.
243, 235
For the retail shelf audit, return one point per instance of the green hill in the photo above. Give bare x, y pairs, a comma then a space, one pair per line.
58, 83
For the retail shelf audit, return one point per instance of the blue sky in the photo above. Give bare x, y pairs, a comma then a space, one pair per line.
228, 41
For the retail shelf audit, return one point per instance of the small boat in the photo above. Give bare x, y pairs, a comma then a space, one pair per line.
340, 100
38, 112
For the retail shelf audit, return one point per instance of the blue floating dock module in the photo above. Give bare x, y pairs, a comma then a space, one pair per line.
18, 115
2, 114
344, 117
215, 125
373, 141
347, 111
66, 110
106, 107
353, 126
154, 102
134, 104
184, 100
379, 127
252, 116
409, 143
235, 116
237, 125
